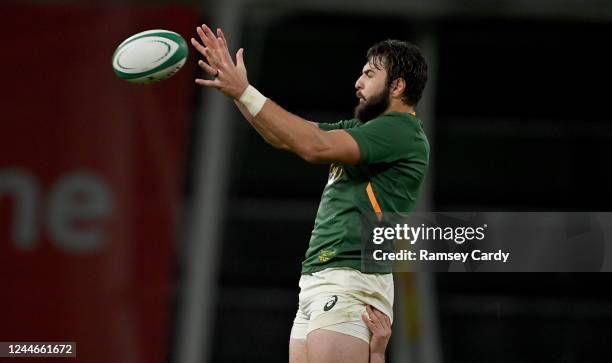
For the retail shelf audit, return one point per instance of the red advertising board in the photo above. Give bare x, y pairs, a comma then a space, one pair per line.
90, 178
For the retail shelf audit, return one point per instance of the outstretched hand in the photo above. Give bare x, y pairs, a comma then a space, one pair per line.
229, 77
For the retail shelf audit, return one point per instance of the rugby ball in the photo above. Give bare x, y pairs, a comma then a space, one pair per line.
150, 56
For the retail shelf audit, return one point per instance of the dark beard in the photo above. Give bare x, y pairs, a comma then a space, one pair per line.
373, 107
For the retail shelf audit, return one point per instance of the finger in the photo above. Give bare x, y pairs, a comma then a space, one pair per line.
224, 50
380, 316
240, 58
373, 316
213, 60
383, 319
371, 313
207, 68
205, 39
207, 83
367, 321
210, 35
223, 43
387, 321
199, 47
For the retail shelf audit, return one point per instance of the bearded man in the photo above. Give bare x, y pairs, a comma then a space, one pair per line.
378, 161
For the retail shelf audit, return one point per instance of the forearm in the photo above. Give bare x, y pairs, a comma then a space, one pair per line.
297, 134
303, 137
267, 136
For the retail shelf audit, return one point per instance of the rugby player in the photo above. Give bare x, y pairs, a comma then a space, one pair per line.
378, 162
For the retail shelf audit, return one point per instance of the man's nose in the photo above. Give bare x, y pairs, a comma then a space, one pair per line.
359, 84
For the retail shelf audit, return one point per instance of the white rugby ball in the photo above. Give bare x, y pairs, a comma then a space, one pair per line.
150, 56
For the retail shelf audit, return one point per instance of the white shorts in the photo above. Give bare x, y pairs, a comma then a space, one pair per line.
335, 298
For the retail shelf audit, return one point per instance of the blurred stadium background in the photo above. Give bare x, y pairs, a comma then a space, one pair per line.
151, 224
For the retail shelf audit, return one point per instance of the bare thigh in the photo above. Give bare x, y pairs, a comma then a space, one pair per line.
297, 351
325, 346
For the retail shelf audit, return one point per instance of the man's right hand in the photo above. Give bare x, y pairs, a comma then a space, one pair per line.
229, 77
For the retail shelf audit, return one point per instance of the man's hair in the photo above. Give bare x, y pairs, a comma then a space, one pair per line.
401, 60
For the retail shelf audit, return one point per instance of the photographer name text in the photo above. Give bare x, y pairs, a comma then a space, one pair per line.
424, 255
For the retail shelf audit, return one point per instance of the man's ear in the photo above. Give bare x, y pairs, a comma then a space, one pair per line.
397, 87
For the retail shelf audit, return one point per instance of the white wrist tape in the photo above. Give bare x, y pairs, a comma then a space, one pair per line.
252, 100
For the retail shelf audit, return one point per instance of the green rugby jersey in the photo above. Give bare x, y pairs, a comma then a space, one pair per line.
394, 157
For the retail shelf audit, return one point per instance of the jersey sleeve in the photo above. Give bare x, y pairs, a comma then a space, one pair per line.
387, 139
341, 125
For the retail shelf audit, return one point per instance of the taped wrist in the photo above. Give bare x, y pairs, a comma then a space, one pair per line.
252, 100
